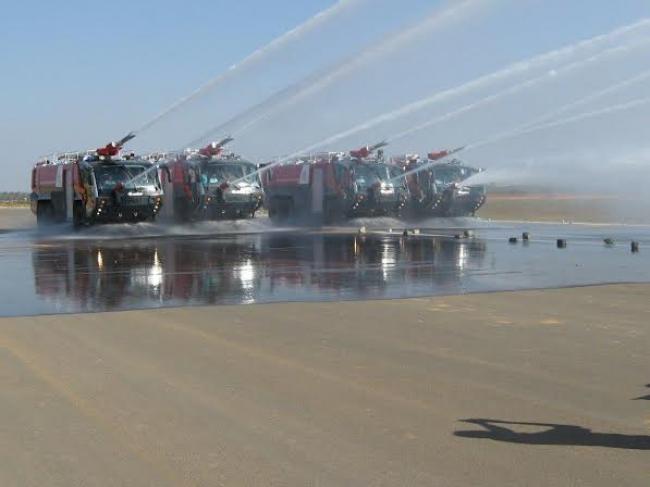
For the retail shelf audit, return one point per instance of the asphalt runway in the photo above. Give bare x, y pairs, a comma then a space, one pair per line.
546, 387
535, 388
122, 267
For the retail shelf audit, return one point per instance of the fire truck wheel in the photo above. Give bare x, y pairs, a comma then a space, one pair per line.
44, 213
281, 209
78, 218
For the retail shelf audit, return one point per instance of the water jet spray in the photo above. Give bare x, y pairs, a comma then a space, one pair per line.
323, 78
255, 57
512, 70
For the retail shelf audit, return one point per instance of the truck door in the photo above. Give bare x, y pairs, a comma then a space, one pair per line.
90, 190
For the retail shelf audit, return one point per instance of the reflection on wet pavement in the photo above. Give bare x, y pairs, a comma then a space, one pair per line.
60, 276
246, 269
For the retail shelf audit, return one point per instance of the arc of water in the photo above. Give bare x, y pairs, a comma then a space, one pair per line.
323, 78
558, 123
515, 68
256, 56
483, 81
637, 102
522, 86
563, 109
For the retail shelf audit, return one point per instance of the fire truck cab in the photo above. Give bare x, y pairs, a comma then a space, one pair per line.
315, 188
95, 186
437, 187
333, 186
211, 184
379, 188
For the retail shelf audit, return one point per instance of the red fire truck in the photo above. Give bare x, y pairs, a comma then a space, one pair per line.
437, 186
316, 188
100, 185
211, 184
333, 186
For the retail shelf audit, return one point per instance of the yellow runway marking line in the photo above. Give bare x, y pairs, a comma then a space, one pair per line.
551, 321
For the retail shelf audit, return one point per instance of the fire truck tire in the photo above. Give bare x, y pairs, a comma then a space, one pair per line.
281, 209
78, 217
44, 213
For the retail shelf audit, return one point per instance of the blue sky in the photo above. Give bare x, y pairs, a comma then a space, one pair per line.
77, 73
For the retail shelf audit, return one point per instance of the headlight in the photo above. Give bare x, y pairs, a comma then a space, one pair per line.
150, 190
244, 190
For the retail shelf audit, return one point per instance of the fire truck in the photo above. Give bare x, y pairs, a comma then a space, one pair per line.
211, 184
436, 185
313, 188
378, 188
329, 187
97, 186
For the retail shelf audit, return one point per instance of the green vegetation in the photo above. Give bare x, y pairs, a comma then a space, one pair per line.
14, 198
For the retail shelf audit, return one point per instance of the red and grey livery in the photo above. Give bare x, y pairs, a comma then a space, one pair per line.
96, 186
333, 186
437, 186
211, 184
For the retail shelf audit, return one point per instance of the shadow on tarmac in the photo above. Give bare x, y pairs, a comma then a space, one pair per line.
552, 434
644, 398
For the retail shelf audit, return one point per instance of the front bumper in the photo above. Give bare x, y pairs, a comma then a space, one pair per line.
127, 209
378, 204
463, 201
232, 206
452, 202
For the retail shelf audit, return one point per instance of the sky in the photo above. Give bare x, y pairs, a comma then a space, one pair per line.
78, 74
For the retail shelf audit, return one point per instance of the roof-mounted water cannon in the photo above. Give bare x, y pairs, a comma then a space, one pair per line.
215, 149
114, 148
436, 156
366, 151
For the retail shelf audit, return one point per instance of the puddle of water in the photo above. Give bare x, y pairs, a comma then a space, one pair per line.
97, 272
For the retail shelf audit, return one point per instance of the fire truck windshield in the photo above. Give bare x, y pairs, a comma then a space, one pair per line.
452, 174
221, 173
369, 174
109, 176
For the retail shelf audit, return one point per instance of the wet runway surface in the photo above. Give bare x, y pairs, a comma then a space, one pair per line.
133, 267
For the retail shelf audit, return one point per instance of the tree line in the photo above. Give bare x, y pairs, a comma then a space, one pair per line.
14, 197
